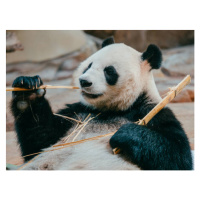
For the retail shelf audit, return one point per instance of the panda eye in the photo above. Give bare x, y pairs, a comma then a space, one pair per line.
87, 67
111, 75
110, 70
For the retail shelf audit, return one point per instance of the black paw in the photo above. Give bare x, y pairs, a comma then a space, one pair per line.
27, 82
124, 136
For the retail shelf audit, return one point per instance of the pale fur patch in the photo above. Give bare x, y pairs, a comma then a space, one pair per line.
92, 155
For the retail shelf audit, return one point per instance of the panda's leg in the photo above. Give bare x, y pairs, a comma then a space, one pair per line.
35, 124
151, 150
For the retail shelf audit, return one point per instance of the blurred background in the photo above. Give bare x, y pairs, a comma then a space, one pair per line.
55, 55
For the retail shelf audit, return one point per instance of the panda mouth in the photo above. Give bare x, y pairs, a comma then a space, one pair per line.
92, 96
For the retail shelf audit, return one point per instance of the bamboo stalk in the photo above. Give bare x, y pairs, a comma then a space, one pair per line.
84, 140
72, 143
42, 87
171, 95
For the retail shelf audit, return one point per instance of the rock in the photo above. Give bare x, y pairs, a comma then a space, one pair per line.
170, 38
47, 74
63, 75
50, 70
164, 84
140, 39
101, 33
24, 67
69, 64
10, 77
96, 40
135, 39
178, 61
12, 42
45, 44
13, 154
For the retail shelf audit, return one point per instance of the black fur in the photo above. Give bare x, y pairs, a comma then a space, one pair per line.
108, 41
36, 126
87, 68
111, 75
153, 55
161, 145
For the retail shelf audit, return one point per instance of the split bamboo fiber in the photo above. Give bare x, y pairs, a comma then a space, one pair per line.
42, 87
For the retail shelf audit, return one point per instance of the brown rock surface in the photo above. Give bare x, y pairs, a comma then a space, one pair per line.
13, 154
140, 39
165, 83
50, 70
178, 61
42, 45
12, 42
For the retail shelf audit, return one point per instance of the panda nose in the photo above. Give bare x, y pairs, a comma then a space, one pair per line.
85, 83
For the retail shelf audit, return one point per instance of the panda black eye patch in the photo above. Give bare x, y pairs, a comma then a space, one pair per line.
111, 75
87, 67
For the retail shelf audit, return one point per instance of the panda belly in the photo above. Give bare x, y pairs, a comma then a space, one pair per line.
91, 155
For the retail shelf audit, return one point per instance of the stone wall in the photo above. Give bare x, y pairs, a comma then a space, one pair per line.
140, 39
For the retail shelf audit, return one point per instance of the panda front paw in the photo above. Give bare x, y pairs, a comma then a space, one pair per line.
23, 97
27, 82
124, 137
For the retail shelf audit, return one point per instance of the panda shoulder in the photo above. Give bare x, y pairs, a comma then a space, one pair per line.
166, 119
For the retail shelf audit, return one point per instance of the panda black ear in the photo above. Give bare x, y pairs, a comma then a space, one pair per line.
153, 56
108, 41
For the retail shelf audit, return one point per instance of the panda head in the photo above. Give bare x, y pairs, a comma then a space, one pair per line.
115, 76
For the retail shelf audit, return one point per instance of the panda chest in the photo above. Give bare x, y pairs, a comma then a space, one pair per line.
90, 155
92, 127
94, 154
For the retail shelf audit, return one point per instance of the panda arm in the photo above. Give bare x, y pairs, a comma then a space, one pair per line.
161, 145
35, 124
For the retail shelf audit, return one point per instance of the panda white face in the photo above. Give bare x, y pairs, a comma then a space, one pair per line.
113, 77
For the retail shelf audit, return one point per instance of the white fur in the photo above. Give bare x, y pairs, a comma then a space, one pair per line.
134, 76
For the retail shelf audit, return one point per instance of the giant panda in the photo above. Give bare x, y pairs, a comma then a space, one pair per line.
117, 89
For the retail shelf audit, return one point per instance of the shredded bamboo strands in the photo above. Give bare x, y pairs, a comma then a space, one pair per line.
83, 124
172, 94
79, 122
42, 87
79, 128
